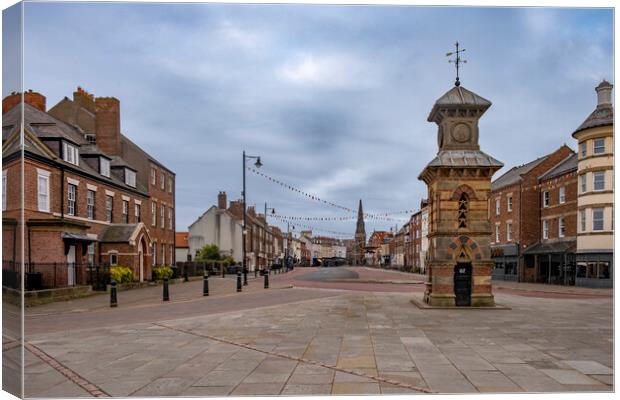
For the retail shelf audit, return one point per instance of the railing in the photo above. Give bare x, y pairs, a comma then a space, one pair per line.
197, 268
40, 276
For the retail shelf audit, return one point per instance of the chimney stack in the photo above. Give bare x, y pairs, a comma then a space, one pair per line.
221, 200
108, 125
603, 91
35, 99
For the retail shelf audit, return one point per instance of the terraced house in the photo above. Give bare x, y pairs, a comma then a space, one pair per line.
92, 196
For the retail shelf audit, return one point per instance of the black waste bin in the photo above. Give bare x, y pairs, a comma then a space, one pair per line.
34, 281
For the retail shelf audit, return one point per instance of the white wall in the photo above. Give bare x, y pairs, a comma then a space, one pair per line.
217, 227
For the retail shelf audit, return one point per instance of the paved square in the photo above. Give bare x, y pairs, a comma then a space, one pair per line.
335, 342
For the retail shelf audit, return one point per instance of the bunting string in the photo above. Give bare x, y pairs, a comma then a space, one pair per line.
382, 216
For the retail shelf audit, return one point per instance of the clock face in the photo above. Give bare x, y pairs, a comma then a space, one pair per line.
461, 133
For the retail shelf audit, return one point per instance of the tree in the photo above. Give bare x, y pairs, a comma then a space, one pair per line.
209, 252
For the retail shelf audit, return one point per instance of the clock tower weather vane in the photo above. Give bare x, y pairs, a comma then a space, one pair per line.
457, 61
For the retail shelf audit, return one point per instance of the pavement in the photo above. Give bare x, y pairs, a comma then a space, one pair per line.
312, 333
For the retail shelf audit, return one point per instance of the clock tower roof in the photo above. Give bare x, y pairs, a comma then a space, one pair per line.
458, 98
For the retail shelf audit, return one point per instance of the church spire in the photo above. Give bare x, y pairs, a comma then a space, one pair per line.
360, 221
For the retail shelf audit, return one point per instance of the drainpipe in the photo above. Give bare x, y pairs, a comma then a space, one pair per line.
62, 192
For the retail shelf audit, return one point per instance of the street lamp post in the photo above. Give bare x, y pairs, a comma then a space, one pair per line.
258, 164
273, 211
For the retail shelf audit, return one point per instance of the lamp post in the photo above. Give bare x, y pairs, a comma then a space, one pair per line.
258, 164
273, 211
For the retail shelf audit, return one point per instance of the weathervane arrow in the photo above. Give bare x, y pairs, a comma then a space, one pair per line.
457, 61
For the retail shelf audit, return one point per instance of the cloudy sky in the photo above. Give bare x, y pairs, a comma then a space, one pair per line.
333, 98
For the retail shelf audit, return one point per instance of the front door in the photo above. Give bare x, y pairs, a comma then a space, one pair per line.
71, 266
462, 284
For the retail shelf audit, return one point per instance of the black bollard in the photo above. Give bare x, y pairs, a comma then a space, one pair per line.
205, 284
245, 277
166, 294
238, 281
113, 302
186, 276
223, 271
266, 275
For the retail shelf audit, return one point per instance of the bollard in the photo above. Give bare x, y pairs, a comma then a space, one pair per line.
113, 302
186, 275
266, 275
166, 294
245, 277
205, 284
238, 281
223, 272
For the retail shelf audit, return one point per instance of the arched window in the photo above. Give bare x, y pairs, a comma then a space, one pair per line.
463, 210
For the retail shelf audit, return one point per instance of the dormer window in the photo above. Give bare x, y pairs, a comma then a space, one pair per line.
130, 177
70, 153
104, 166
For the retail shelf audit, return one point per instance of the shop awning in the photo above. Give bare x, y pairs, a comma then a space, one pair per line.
567, 246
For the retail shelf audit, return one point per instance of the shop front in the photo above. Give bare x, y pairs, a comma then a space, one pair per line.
551, 262
506, 258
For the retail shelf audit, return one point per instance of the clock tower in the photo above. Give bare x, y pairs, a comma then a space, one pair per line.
459, 184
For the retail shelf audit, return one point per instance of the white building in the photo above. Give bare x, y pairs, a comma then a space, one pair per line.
217, 226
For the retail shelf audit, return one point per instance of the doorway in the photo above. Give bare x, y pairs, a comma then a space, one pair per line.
462, 284
71, 266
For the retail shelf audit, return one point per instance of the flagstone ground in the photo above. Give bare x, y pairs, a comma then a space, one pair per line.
295, 341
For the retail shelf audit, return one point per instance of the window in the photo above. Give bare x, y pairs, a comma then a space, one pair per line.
599, 180
104, 166
170, 184
545, 229
582, 220
545, 199
509, 204
463, 210
43, 190
154, 252
597, 219
109, 202
509, 231
562, 194
163, 216
584, 149
153, 213
584, 182
4, 190
561, 227
70, 153
91, 253
90, 204
497, 206
138, 213
71, 192
497, 233
113, 259
599, 146
90, 138
603, 270
162, 180
170, 252
169, 218
125, 212
153, 176
163, 253
130, 177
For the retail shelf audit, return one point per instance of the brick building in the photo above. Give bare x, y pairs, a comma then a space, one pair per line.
515, 215
414, 247
84, 202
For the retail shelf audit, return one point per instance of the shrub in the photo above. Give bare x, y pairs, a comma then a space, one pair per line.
121, 274
162, 272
